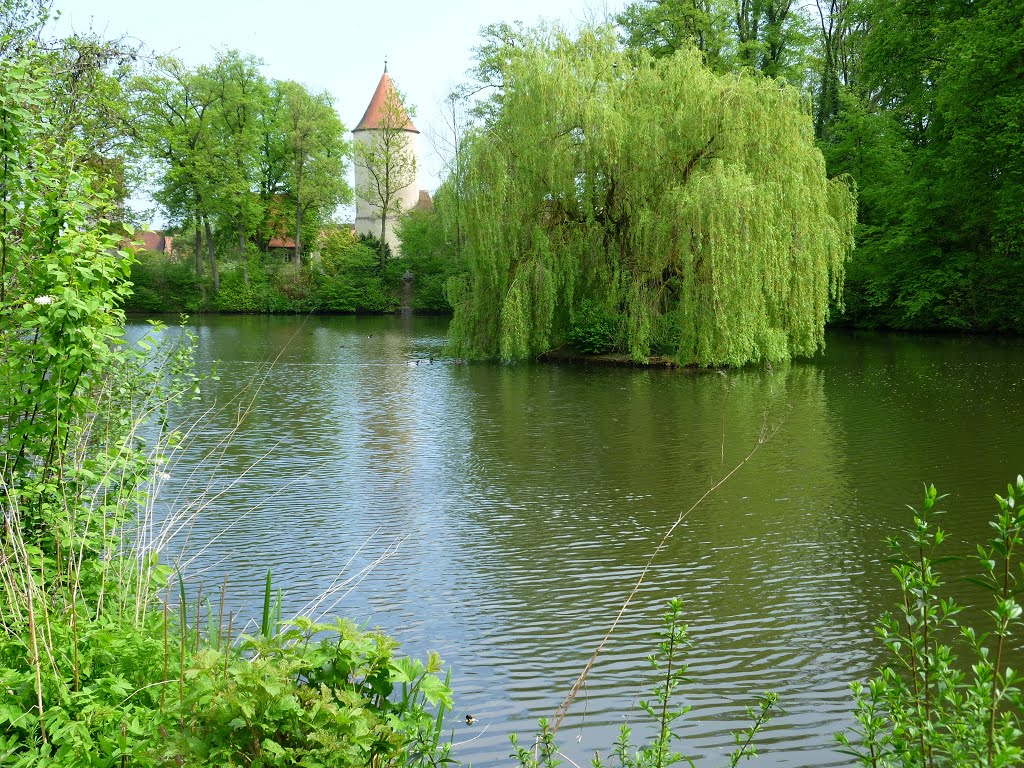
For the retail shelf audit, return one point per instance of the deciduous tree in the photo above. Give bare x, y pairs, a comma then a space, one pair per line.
448, 146
930, 126
176, 109
316, 155
242, 93
768, 36
663, 27
692, 207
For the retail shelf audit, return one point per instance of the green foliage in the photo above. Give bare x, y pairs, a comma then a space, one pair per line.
309, 694
664, 27
593, 329
772, 37
921, 105
351, 280
62, 282
165, 692
164, 284
946, 695
430, 252
543, 754
317, 156
261, 284
73, 460
653, 187
669, 664
346, 278
97, 669
423, 236
240, 159
375, 244
929, 124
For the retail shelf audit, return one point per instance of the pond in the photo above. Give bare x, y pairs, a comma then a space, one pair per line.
502, 514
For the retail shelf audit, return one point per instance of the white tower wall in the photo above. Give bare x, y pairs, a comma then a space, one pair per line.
368, 213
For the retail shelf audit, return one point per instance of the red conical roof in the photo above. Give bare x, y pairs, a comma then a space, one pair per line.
374, 114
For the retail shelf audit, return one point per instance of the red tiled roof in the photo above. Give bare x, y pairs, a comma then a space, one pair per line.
425, 203
281, 242
374, 113
151, 241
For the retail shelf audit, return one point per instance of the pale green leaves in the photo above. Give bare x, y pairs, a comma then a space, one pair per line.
693, 207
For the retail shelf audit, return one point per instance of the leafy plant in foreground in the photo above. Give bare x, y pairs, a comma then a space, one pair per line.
309, 694
670, 664
934, 702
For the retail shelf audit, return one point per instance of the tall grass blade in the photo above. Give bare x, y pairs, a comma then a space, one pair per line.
265, 625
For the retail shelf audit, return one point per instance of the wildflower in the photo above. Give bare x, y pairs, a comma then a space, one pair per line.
43, 300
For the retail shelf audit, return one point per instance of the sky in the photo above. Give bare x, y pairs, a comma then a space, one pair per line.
337, 46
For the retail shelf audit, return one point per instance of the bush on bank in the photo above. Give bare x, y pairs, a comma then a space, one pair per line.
345, 277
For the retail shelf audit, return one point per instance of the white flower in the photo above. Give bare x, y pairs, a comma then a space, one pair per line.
43, 300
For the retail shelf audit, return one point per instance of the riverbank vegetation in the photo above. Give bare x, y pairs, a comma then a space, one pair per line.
920, 103
884, 87
663, 709
343, 276
248, 172
237, 158
946, 693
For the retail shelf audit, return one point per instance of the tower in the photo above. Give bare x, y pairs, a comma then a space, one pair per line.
386, 147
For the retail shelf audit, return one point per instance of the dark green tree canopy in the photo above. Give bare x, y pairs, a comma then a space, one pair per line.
931, 125
693, 207
772, 37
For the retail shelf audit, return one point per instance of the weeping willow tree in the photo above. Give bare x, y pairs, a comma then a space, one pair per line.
692, 208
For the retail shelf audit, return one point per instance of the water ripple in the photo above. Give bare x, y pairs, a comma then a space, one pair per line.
503, 514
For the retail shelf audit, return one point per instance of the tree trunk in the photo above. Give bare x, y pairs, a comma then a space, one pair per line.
198, 253
241, 236
383, 242
212, 256
298, 234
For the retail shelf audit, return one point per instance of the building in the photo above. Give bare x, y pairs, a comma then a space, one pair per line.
425, 203
385, 136
158, 242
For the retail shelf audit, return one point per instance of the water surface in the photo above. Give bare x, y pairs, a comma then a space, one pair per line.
501, 514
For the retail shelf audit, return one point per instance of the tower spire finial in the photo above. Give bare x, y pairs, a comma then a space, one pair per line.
385, 63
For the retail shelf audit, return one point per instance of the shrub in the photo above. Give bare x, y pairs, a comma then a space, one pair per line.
430, 254
260, 284
945, 694
593, 329
350, 279
313, 694
669, 663
374, 244
164, 284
